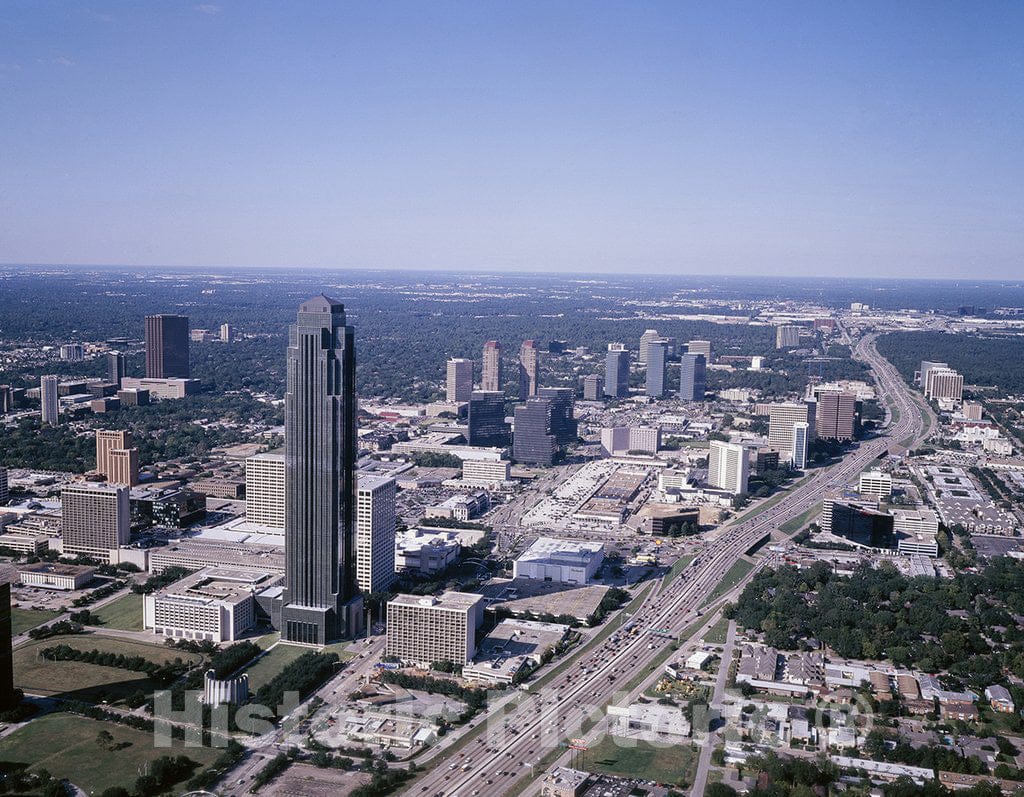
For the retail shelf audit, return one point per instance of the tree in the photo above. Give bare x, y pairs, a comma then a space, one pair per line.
104, 739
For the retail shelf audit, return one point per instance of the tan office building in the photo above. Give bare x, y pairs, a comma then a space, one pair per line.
425, 629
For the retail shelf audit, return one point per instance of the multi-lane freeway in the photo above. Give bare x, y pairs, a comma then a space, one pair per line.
500, 758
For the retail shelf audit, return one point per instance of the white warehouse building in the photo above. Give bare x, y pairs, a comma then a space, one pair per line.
561, 561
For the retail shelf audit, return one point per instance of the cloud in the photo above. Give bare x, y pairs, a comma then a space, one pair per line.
63, 60
208, 8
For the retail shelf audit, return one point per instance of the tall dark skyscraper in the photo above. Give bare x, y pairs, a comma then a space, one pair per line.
563, 423
115, 367
616, 371
7, 694
692, 377
487, 425
533, 442
657, 368
167, 347
320, 602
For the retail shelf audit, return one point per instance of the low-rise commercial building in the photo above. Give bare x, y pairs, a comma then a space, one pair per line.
54, 575
563, 561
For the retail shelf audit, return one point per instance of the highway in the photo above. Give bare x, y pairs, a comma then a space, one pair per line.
498, 760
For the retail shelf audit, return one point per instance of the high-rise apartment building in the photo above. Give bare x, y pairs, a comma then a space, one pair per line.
375, 533
48, 399
167, 342
427, 629
95, 519
781, 418
265, 490
486, 421
645, 339
115, 367
320, 601
787, 336
227, 333
533, 441
563, 422
728, 467
460, 380
593, 388
106, 441
657, 368
616, 371
491, 378
944, 383
529, 369
801, 440
836, 417
700, 347
692, 377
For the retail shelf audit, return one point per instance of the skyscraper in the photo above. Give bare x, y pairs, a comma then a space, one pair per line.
529, 369
115, 367
787, 336
782, 417
320, 600
124, 466
657, 368
836, 416
7, 694
616, 371
491, 378
106, 441
563, 423
167, 342
460, 380
533, 441
943, 383
95, 519
487, 425
645, 339
801, 439
48, 400
227, 333
692, 377
265, 491
4, 488
593, 387
700, 347
375, 533
728, 467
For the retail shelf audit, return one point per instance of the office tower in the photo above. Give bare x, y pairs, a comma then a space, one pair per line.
4, 487
72, 352
167, 342
836, 417
692, 377
645, 439
492, 379
700, 347
593, 388
645, 339
657, 368
728, 467
801, 439
319, 601
563, 423
115, 367
875, 483
460, 380
264, 490
8, 697
971, 410
423, 630
926, 365
781, 418
6, 399
529, 369
123, 467
95, 519
787, 336
533, 442
106, 441
50, 404
486, 419
375, 533
227, 333
943, 383
616, 371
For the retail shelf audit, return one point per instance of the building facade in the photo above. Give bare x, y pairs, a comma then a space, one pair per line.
95, 519
375, 533
692, 377
167, 347
265, 490
534, 442
459, 384
836, 415
728, 467
486, 421
529, 369
616, 371
49, 400
657, 368
491, 377
423, 630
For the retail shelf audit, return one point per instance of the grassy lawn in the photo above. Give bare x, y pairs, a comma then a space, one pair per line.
676, 569
125, 613
24, 619
732, 577
271, 663
79, 680
797, 523
65, 744
716, 634
670, 765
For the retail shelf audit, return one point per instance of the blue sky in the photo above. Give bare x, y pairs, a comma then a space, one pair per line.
818, 138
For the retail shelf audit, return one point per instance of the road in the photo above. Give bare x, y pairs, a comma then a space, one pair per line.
514, 745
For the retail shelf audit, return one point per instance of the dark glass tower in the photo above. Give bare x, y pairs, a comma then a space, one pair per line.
115, 367
616, 373
563, 423
320, 601
487, 425
167, 347
533, 442
692, 377
657, 368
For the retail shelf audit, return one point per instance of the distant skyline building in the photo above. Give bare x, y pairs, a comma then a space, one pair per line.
787, 336
167, 346
115, 367
459, 385
529, 369
700, 347
72, 352
492, 378
728, 467
692, 377
375, 532
227, 333
320, 602
836, 416
4, 487
657, 368
533, 440
49, 400
563, 421
593, 388
487, 426
801, 440
616, 371
95, 520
